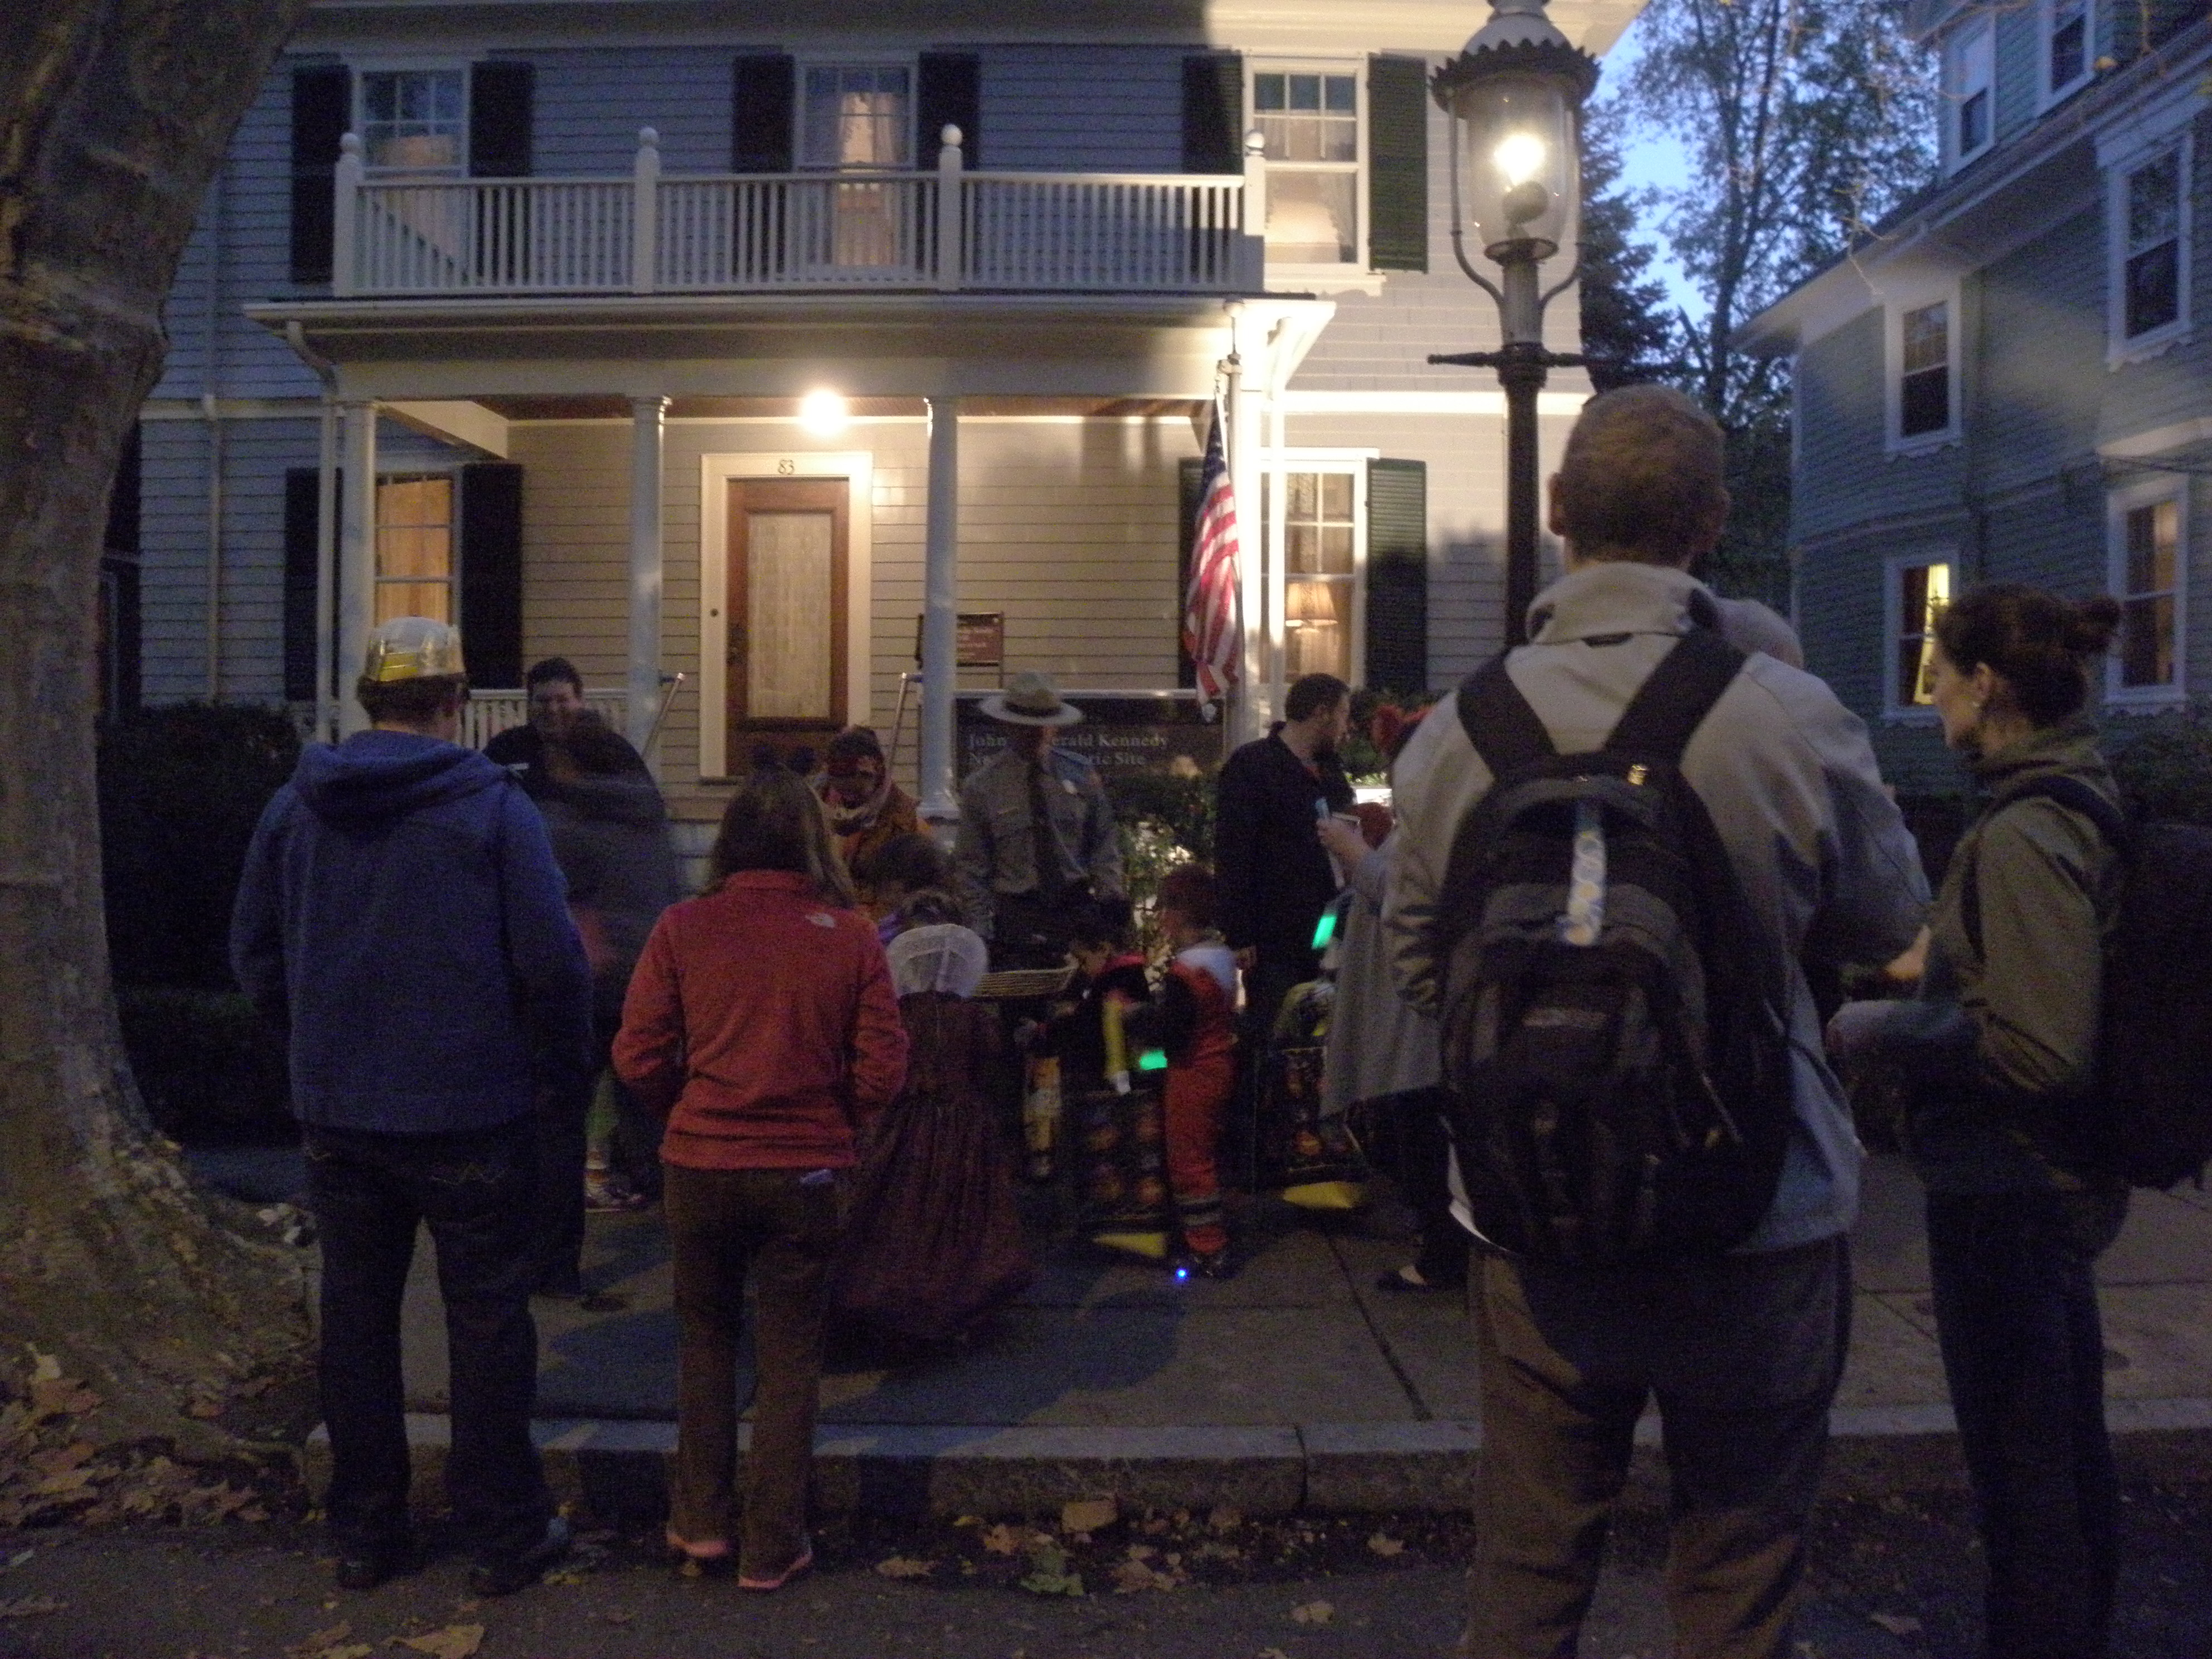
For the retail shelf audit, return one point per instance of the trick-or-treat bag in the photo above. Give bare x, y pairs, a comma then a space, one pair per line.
1313, 1158
1126, 1204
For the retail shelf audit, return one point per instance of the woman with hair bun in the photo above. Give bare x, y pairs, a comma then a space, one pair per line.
1998, 1051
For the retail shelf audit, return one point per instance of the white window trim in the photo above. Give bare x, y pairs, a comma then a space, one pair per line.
2120, 348
1354, 463
802, 61
2149, 492
1895, 308
1892, 570
357, 117
1336, 275
1954, 97
2046, 95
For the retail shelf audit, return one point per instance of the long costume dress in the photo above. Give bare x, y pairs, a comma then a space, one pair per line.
934, 1242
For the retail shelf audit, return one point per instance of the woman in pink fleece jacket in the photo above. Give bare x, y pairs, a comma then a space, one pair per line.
762, 1021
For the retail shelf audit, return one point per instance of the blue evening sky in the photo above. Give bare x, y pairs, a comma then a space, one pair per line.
1651, 158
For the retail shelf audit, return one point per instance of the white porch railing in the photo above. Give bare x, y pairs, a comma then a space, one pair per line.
487, 714
952, 229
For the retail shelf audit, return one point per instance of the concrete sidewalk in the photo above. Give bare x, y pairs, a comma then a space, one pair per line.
1298, 1383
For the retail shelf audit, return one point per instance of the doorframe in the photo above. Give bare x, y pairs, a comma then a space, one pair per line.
716, 474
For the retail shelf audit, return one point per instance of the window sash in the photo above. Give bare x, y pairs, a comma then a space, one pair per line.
1970, 73
2067, 45
1322, 574
1923, 590
857, 117
414, 121
414, 546
2148, 658
1309, 121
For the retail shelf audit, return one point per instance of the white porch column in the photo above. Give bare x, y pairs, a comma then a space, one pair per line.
647, 424
356, 559
941, 612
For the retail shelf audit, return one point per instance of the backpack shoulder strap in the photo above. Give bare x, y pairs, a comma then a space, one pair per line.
2112, 823
1498, 722
1668, 709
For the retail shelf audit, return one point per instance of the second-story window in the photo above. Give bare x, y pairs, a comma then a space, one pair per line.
2066, 47
1310, 122
414, 121
2150, 271
857, 115
1923, 387
1969, 64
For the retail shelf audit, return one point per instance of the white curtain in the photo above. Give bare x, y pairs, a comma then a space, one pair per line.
789, 608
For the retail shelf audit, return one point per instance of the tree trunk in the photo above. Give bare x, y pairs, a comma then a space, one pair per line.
113, 116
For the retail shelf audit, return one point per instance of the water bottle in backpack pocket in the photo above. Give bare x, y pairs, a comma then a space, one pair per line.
1618, 1070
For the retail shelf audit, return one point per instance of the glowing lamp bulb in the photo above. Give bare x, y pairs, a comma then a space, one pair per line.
823, 413
1519, 157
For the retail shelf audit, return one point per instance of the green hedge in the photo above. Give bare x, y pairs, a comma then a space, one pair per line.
210, 1072
2164, 763
180, 790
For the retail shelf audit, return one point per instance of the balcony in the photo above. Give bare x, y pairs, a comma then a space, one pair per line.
948, 230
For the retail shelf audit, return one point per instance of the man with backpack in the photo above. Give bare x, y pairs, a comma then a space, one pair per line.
1619, 843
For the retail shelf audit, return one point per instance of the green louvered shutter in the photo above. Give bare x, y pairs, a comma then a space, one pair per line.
1398, 163
1398, 575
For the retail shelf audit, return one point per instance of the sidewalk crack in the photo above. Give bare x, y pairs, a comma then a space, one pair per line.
1421, 1412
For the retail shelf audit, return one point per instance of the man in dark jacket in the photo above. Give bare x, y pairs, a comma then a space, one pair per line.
401, 919
557, 710
1275, 875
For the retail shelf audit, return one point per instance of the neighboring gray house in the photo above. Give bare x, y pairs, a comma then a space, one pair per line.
703, 336
2012, 380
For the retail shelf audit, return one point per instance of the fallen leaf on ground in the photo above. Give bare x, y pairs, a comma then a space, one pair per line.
318, 1640
29, 1606
905, 1567
1897, 1624
454, 1642
1226, 1517
345, 1651
1314, 1612
1002, 1539
1048, 1574
617, 1618
1088, 1514
1274, 1653
1134, 1575
1385, 1545
205, 1410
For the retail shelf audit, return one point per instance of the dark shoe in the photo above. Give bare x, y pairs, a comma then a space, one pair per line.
1211, 1264
1408, 1281
748, 1581
364, 1566
504, 1575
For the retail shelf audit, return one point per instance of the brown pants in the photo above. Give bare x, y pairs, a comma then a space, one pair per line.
722, 1225
1743, 1353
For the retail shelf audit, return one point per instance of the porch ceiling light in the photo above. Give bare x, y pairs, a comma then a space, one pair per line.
825, 414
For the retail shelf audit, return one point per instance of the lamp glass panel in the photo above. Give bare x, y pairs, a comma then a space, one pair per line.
1519, 165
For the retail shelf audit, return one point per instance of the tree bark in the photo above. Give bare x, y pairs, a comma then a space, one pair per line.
113, 116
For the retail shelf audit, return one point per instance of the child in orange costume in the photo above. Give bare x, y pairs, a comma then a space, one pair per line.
1197, 1021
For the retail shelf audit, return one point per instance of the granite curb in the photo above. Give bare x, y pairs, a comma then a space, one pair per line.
618, 1469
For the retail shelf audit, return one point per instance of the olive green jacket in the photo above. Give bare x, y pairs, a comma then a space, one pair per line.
2000, 1048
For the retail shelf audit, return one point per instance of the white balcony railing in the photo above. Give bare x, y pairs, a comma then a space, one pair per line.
690, 233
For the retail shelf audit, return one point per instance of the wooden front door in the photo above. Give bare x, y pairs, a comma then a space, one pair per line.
789, 578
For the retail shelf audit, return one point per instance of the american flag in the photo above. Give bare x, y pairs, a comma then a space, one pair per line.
1209, 610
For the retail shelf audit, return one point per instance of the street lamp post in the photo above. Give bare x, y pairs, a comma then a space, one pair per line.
1514, 96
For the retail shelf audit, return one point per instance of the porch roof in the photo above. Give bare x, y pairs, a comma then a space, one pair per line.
782, 345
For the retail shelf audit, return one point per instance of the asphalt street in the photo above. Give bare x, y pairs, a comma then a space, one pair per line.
1892, 1578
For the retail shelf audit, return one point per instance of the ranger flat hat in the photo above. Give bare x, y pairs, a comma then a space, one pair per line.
412, 648
1031, 699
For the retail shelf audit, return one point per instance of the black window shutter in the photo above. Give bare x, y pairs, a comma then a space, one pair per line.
763, 99
125, 495
322, 110
1213, 114
951, 91
1398, 575
1398, 163
491, 573
501, 94
302, 554
1190, 487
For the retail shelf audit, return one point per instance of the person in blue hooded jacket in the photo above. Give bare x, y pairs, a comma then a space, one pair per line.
401, 920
